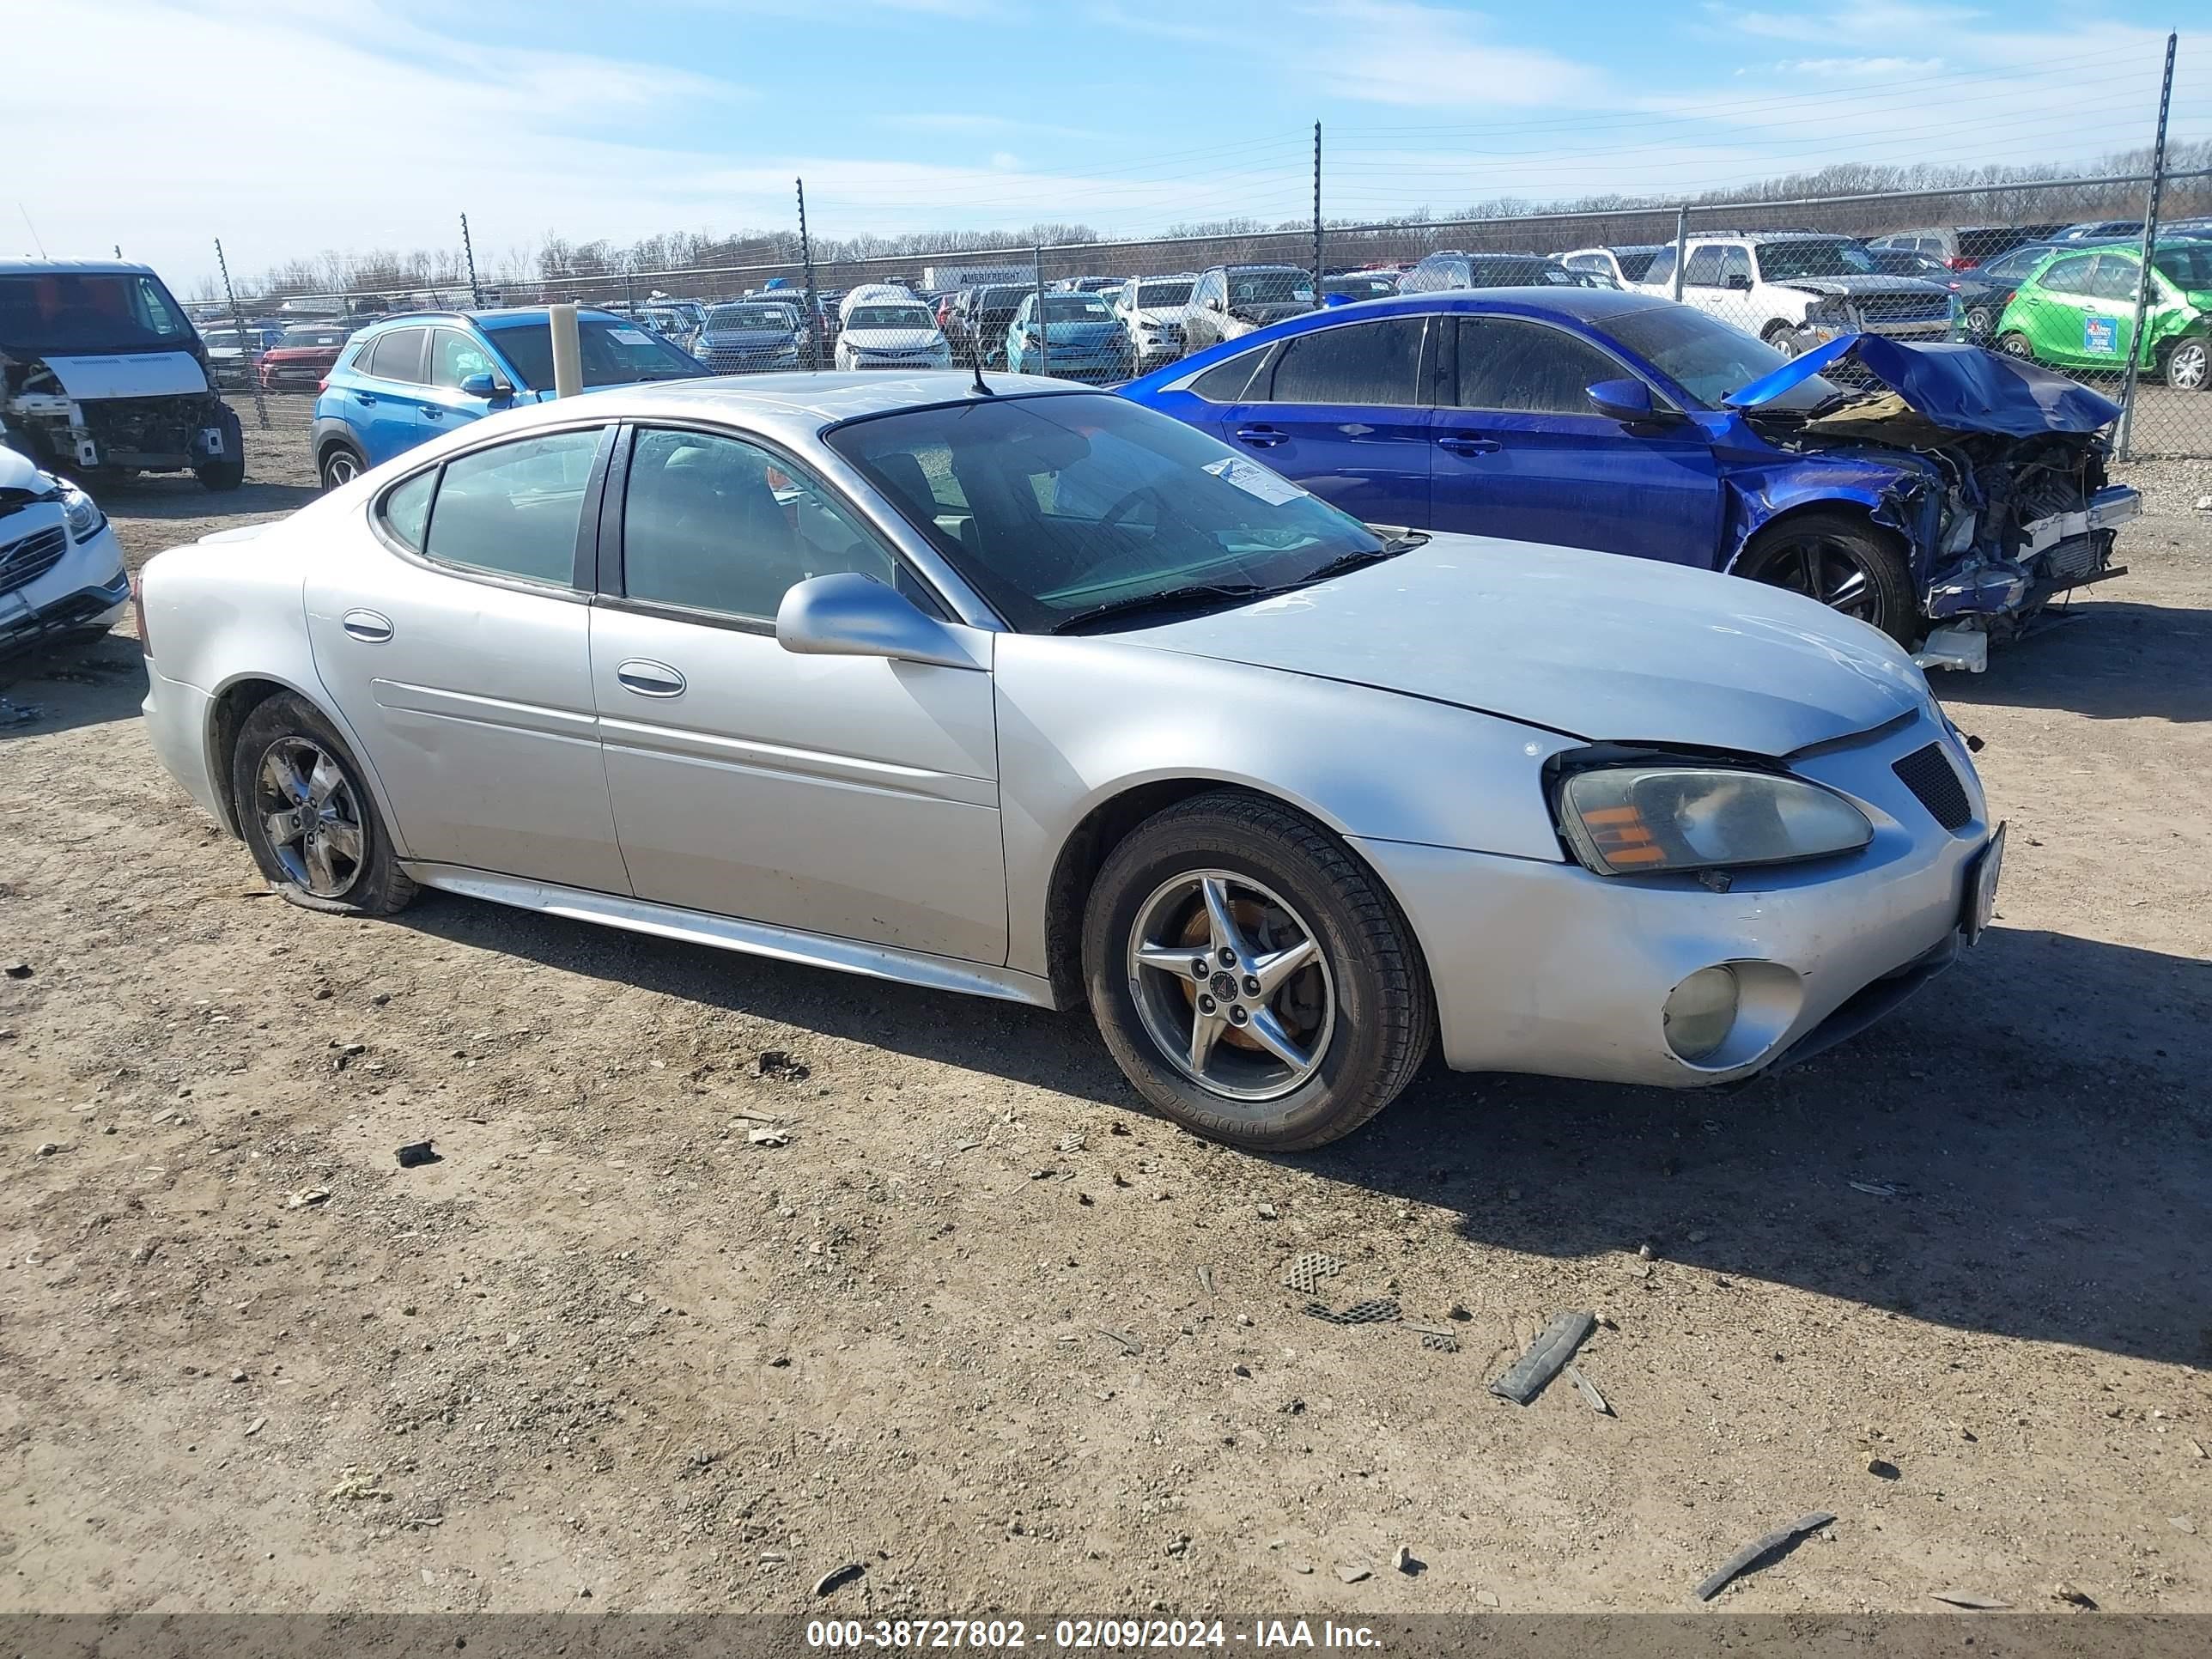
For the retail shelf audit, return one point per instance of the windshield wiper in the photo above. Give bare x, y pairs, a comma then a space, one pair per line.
1389, 549
1168, 598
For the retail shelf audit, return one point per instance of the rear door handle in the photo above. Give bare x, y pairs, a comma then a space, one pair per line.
1260, 437
649, 678
1466, 443
370, 627
366, 396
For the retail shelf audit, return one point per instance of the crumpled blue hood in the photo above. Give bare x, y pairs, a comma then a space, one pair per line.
1961, 388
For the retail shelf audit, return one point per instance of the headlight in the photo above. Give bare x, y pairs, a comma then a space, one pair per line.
1636, 820
83, 515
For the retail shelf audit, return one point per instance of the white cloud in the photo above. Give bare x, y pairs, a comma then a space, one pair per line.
1395, 52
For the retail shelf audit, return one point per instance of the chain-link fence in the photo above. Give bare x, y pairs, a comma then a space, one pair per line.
2049, 271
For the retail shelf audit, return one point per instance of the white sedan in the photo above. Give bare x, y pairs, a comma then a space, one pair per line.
1022, 690
892, 334
61, 569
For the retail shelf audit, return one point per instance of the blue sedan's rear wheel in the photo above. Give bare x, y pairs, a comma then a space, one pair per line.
1846, 564
1251, 977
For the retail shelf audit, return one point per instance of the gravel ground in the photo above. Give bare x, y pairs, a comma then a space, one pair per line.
977, 1323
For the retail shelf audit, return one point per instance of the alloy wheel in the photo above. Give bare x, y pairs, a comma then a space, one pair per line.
309, 811
1231, 985
340, 468
1826, 568
2186, 370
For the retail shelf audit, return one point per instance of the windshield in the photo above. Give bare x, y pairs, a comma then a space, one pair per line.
749, 316
66, 311
1075, 307
314, 336
1363, 288
889, 317
1707, 358
1268, 287
1518, 273
1779, 261
1051, 507
1150, 295
1635, 261
1001, 299
614, 354
2187, 265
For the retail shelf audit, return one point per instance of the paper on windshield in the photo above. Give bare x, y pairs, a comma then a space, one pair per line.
631, 336
1255, 480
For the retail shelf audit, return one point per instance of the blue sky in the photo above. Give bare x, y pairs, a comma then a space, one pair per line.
374, 122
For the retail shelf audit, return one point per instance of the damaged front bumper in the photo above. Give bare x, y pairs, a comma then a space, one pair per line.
2058, 554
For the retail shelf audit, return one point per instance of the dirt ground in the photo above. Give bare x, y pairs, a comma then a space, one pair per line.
983, 1327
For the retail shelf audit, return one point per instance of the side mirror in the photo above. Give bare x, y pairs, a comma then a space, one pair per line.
1736, 282
1623, 400
849, 615
486, 385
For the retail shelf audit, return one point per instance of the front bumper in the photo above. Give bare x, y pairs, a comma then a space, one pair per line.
85, 588
1545, 968
2063, 551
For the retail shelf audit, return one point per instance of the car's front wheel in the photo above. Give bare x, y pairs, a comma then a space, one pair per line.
1251, 977
1849, 566
308, 817
1980, 320
227, 473
2187, 366
1783, 338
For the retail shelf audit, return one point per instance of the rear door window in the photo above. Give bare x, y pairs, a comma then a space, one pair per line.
513, 509
396, 356
1704, 270
1370, 363
2068, 275
1527, 367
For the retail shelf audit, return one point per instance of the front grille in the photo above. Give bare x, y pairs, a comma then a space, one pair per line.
1905, 308
1933, 781
2077, 557
31, 558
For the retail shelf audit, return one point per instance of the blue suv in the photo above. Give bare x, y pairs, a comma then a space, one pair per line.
407, 379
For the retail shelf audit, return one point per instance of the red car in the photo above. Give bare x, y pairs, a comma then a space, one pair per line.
298, 361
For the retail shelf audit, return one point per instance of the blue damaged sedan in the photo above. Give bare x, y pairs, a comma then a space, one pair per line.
1939, 493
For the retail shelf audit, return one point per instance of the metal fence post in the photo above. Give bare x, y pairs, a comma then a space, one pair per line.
1317, 292
2143, 277
469, 254
1044, 334
1681, 246
249, 360
806, 269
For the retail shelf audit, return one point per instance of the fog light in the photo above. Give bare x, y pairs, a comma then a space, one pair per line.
1700, 1012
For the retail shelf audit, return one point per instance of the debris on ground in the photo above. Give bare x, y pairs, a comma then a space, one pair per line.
2073, 1596
837, 1577
1877, 1188
1882, 1469
1757, 1550
256, 1426
774, 1062
47, 1149
17, 969
1267, 1212
1129, 1343
416, 1153
306, 1196
1587, 1390
356, 1485
1487, 1598
1968, 1599
1351, 1575
1407, 1563
1552, 1350
1307, 1272
1205, 1280
1375, 1310
768, 1136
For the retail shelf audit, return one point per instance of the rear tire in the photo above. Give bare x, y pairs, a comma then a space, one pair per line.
2016, 345
1326, 1042
1778, 335
1844, 563
226, 474
308, 815
339, 464
1980, 320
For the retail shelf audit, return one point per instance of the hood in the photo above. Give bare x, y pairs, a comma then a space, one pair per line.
1083, 330
748, 339
1960, 388
131, 374
18, 472
1594, 645
1159, 314
892, 339
1858, 283
1274, 310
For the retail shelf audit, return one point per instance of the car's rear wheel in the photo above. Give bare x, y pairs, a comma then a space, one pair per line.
1250, 977
1849, 566
340, 465
1782, 337
2015, 345
1980, 320
308, 815
226, 474
2187, 366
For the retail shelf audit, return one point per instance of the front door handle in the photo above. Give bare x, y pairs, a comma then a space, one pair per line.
649, 678
432, 411
1260, 437
1466, 443
370, 627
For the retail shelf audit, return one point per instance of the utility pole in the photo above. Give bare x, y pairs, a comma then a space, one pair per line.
469, 255
1681, 246
806, 266
246, 356
1317, 296
2143, 277
1044, 334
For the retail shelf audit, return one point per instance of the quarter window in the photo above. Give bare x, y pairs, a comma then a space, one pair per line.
1505, 364
1371, 363
1227, 382
407, 507
2115, 277
513, 509
711, 523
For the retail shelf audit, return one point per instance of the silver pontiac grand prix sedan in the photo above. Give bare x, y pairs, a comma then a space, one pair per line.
1023, 690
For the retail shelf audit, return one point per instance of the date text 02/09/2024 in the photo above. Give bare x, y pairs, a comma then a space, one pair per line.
1080, 1635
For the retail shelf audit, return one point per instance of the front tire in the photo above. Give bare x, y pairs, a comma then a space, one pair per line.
2187, 366
1314, 1010
1980, 320
308, 817
226, 474
1846, 564
1782, 337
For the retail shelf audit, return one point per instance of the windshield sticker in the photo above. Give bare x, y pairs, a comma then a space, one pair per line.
1255, 480
630, 336
2101, 335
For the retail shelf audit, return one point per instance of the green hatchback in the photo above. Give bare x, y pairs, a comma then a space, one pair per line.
2077, 310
